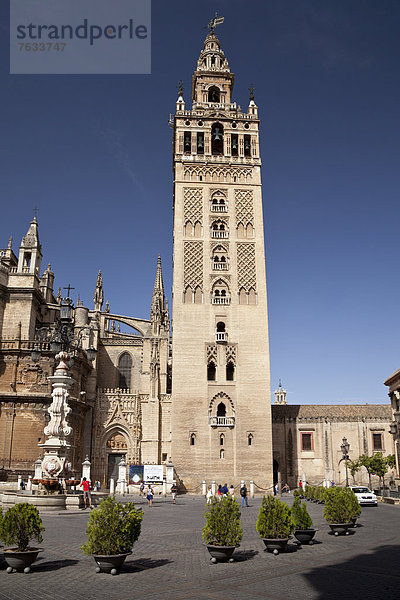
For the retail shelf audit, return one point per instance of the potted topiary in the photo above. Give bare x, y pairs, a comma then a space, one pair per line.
338, 510
304, 531
274, 524
354, 505
222, 532
112, 530
21, 524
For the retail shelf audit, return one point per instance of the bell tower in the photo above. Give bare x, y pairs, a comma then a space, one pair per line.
221, 409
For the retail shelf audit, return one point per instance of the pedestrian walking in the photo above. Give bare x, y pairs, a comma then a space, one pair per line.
224, 490
232, 491
141, 489
150, 495
174, 491
209, 495
85, 485
276, 489
243, 493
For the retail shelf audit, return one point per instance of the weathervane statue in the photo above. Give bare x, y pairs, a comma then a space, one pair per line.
215, 22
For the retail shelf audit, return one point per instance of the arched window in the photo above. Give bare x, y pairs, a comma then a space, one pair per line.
230, 371
211, 371
220, 326
125, 371
198, 295
217, 139
192, 439
222, 453
213, 92
221, 410
250, 439
221, 439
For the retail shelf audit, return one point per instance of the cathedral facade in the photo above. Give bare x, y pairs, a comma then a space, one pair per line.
202, 400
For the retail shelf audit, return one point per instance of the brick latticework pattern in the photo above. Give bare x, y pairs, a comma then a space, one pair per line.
244, 207
193, 205
230, 352
193, 264
211, 351
246, 266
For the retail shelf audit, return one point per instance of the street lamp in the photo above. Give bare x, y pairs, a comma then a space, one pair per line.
63, 336
345, 447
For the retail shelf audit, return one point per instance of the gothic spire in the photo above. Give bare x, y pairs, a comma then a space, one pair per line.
159, 311
98, 297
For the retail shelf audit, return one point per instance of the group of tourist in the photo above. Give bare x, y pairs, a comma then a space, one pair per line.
223, 492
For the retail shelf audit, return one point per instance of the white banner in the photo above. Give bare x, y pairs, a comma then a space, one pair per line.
153, 473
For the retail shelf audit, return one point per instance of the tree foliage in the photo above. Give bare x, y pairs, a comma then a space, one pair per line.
21, 524
354, 466
113, 528
301, 517
274, 519
223, 526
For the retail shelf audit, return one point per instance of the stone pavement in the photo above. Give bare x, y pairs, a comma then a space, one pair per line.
170, 562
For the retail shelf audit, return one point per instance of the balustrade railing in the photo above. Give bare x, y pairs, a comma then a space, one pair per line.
222, 421
221, 336
219, 208
220, 300
218, 234
220, 266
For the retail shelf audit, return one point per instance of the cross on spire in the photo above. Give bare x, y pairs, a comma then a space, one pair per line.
69, 288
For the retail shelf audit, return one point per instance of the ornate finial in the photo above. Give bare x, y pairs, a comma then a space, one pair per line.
78, 302
251, 90
180, 88
107, 307
119, 328
280, 383
112, 325
215, 22
59, 298
10, 242
98, 297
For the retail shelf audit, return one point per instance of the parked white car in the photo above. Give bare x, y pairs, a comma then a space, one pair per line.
364, 495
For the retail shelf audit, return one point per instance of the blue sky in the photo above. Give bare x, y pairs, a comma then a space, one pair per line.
93, 153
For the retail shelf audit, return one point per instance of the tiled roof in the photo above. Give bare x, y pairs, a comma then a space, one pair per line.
336, 411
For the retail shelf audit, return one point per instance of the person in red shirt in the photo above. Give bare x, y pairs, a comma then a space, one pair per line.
85, 484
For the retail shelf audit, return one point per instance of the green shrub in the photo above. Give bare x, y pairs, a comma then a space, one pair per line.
223, 527
340, 505
354, 504
301, 518
297, 493
274, 519
113, 528
21, 524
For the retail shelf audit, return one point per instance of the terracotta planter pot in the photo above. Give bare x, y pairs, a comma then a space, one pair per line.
304, 536
341, 528
221, 553
275, 546
110, 563
20, 561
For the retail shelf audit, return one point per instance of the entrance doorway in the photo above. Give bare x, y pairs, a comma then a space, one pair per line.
113, 462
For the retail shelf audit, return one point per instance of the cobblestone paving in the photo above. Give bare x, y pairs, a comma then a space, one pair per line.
170, 562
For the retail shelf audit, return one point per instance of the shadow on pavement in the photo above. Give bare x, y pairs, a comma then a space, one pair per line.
372, 575
242, 555
143, 564
52, 565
